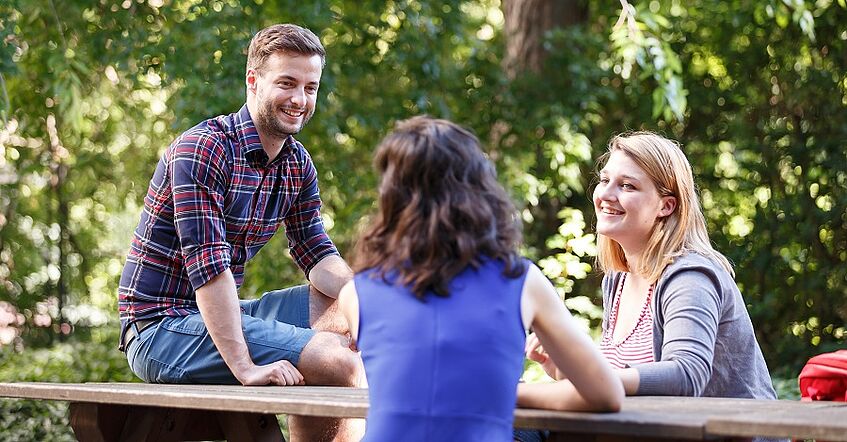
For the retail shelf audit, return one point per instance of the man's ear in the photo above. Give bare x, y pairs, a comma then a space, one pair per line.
668, 206
250, 79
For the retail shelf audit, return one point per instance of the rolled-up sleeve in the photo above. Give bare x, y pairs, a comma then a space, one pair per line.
689, 313
198, 193
304, 227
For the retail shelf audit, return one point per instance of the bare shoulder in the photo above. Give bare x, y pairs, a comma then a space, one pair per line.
537, 286
539, 297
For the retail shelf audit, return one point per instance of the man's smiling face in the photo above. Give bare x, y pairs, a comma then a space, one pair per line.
286, 89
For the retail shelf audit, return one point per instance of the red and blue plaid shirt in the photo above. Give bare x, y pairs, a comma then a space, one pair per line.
213, 202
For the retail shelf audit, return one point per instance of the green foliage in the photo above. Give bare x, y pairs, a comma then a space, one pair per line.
23, 420
766, 135
761, 111
93, 359
787, 388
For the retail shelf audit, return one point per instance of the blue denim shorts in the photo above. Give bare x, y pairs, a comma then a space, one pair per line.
179, 350
527, 435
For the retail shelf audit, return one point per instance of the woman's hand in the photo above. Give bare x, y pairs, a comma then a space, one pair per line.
535, 352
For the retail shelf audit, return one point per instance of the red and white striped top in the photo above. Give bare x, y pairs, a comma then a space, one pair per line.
637, 346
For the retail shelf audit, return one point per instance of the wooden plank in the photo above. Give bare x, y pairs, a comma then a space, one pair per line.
801, 420
307, 401
750, 418
730, 417
147, 424
337, 402
226, 390
587, 437
113, 423
91, 422
629, 421
642, 417
245, 427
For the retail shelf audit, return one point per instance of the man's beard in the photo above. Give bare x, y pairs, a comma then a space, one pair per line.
268, 123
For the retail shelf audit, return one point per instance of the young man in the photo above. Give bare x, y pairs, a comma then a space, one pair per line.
219, 193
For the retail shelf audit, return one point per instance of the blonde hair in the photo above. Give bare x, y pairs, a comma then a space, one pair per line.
681, 232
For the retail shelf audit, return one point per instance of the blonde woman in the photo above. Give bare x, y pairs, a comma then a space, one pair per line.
674, 321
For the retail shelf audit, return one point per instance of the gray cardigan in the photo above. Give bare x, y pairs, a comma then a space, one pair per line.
703, 339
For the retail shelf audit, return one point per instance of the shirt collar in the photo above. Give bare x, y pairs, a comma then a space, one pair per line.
248, 138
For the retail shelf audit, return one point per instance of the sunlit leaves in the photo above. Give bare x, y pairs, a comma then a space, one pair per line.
81, 131
646, 46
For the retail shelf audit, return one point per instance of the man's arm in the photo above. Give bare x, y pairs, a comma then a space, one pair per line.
221, 312
330, 274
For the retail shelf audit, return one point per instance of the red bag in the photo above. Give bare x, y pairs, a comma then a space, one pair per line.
824, 378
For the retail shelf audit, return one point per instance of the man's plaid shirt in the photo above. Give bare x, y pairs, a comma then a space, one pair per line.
213, 202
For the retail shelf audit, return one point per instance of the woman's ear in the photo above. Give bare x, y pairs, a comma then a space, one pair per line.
668, 206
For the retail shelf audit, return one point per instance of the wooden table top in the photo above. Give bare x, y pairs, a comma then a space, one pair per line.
648, 416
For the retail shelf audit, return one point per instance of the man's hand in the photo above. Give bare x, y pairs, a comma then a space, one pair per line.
219, 307
279, 373
535, 352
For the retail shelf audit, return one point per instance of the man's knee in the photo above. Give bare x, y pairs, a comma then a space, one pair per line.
328, 360
324, 314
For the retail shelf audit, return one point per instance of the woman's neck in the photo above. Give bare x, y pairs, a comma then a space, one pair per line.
633, 259
633, 262
637, 280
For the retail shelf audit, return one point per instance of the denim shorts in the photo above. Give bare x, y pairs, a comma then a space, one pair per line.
527, 435
179, 350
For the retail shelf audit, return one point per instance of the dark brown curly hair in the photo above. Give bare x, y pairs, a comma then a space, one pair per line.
440, 209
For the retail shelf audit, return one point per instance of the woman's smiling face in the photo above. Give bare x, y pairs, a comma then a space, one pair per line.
627, 203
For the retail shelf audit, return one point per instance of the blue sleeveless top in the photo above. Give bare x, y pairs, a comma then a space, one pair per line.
442, 368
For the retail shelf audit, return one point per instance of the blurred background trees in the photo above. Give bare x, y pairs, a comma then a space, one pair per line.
91, 93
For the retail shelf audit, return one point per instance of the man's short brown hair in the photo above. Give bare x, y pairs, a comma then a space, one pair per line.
285, 37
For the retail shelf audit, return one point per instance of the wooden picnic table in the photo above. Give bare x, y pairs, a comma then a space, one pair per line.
133, 411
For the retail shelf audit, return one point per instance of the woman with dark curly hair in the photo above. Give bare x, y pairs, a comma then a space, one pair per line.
441, 299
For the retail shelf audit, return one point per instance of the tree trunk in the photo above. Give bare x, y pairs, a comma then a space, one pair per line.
527, 23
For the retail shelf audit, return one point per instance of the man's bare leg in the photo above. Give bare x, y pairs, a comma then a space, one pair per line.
324, 314
327, 360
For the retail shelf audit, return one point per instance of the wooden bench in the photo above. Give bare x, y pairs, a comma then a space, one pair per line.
111, 411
